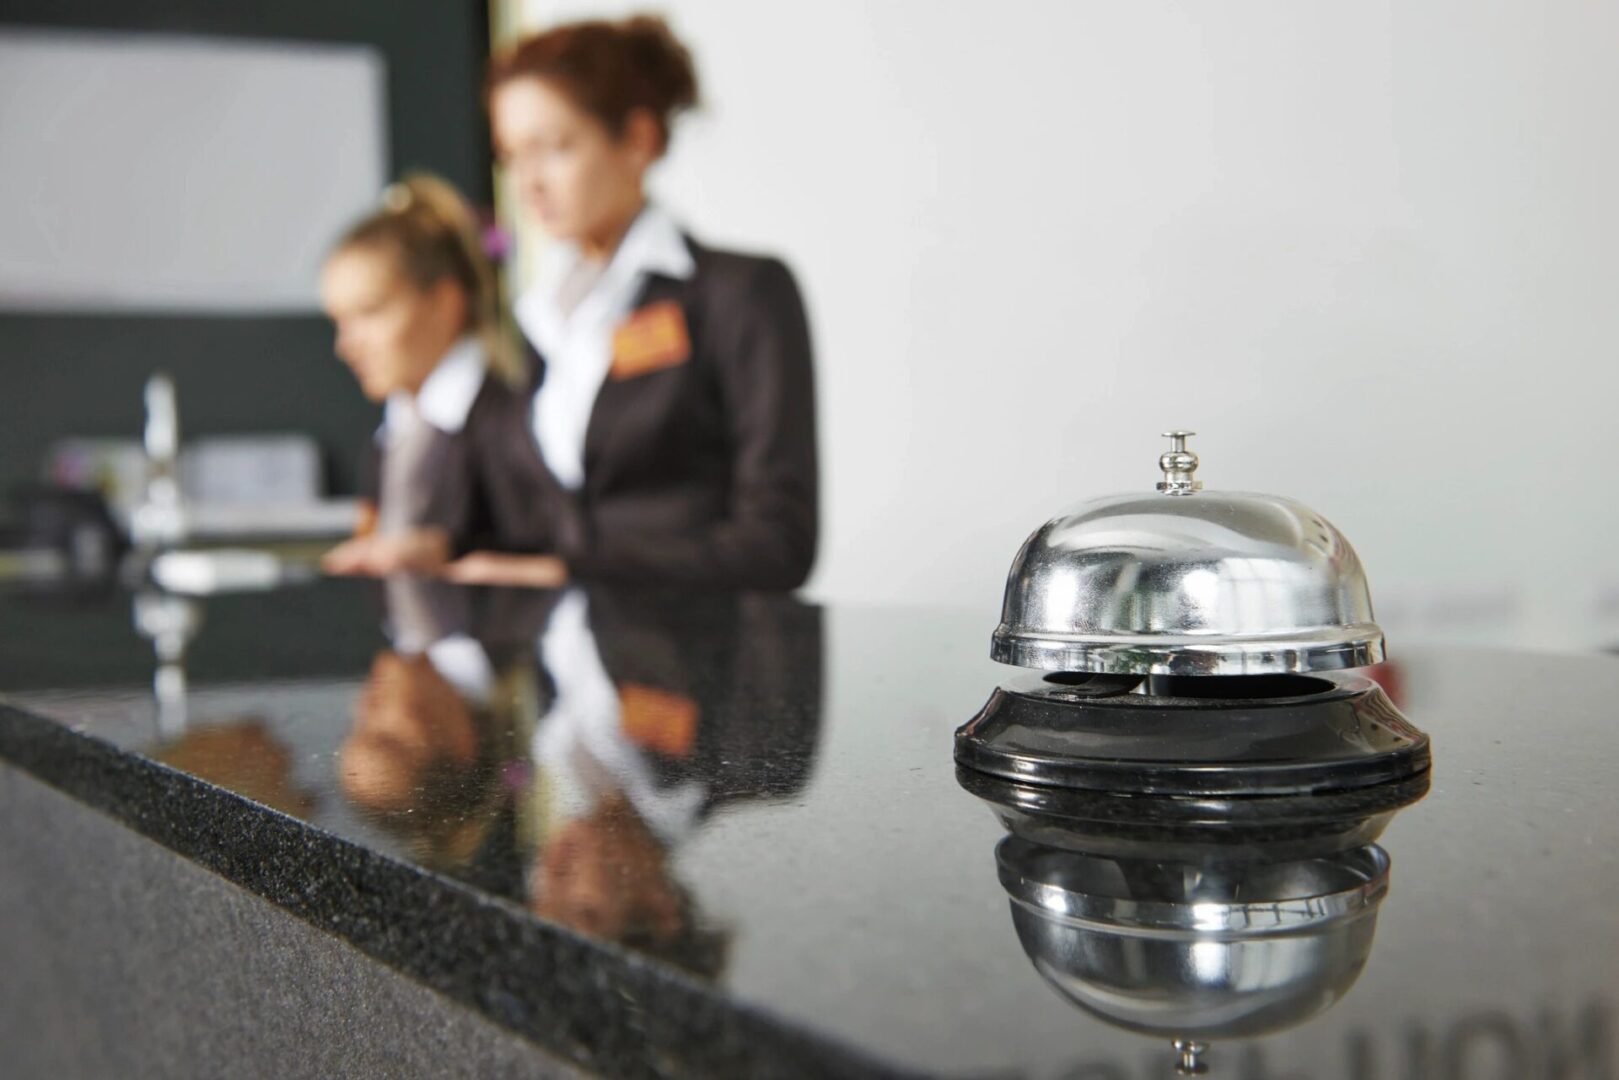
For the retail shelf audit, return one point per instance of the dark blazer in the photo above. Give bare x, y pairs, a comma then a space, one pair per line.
703, 473
451, 498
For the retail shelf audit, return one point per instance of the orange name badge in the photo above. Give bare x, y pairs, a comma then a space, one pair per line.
658, 720
650, 340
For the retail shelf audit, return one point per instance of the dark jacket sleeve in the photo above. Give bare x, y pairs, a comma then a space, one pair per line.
761, 347
368, 478
462, 506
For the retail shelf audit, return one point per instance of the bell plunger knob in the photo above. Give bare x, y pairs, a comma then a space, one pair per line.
1178, 464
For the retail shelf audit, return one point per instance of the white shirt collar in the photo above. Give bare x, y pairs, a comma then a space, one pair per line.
446, 395
653, 244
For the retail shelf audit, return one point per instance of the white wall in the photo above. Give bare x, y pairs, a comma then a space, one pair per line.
1367, 250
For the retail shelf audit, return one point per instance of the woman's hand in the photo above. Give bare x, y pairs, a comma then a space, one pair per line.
349, 557
414, 551
497, 568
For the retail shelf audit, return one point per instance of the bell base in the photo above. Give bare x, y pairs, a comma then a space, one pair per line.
1194, 737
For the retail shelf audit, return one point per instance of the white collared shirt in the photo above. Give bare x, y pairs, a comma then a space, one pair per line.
445, 397
578, 346
411, 423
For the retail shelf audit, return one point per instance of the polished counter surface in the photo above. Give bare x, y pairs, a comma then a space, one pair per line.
677, 834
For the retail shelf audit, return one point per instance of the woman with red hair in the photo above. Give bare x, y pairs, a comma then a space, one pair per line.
670, 432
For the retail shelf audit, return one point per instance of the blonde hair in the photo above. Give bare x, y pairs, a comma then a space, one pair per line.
434, 235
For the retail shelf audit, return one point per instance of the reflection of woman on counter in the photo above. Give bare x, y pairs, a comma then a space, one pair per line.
606, 818
671, 432
244, 756
562, 747
648, 728
436, 730
416, 309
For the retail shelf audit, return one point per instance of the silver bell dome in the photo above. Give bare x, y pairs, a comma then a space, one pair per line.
1187, 582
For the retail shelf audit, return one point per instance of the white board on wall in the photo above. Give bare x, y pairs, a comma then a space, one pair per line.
154, 172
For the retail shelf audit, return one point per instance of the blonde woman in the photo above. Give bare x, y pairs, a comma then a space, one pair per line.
416, 310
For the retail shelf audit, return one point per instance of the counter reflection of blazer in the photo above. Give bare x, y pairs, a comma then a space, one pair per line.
697, 472
750, 664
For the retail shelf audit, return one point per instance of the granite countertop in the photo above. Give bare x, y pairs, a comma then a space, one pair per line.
699, 835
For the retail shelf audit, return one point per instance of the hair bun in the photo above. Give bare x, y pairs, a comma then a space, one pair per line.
610, 68
664, 61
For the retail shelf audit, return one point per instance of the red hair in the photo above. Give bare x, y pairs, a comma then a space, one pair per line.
609, 69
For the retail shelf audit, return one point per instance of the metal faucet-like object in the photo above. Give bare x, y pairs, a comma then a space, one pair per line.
159, 520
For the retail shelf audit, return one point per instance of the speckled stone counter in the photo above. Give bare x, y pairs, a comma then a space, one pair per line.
361, 829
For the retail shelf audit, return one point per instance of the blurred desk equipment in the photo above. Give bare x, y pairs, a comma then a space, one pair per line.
60, 536
165, 492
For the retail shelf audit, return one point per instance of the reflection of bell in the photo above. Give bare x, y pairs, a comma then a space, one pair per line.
1194, 919
1190, 951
